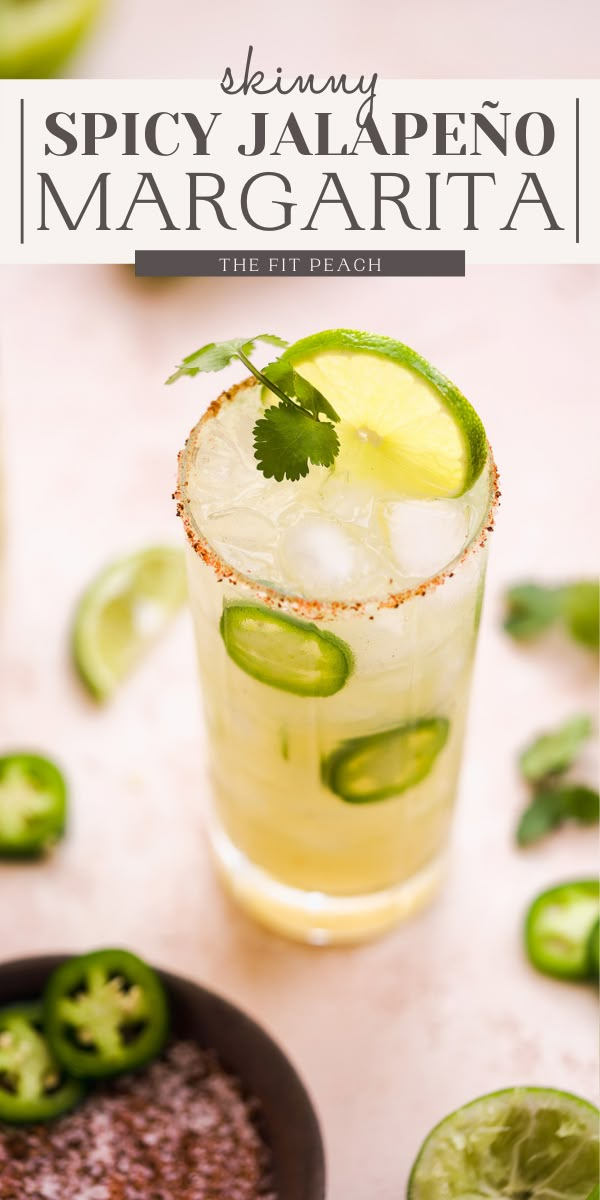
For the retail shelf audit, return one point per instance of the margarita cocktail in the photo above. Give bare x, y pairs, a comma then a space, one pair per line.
336, 618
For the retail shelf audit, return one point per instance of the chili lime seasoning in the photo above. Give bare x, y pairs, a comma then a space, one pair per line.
178, 1130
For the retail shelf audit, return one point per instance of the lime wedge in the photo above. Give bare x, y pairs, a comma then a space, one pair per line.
522, 1144
37, 36
284, 652
402, 423
122, 612
385, 764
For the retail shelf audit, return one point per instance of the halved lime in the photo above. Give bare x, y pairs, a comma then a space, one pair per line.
558, 928
284, 652
518, 1144
402, 423
123, 612
36, 36
385, 764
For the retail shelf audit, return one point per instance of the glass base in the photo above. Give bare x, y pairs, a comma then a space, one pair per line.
315, 917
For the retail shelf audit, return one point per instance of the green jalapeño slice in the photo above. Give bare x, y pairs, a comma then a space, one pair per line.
32, 1085
105, 1013
284, 652
33, 805
385, 764
559, 928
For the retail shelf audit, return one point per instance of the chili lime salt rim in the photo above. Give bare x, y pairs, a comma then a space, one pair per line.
295, 603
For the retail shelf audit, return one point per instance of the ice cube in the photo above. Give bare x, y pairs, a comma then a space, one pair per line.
426, 535
321, 556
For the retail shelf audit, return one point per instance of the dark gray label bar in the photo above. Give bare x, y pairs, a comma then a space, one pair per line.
299, 262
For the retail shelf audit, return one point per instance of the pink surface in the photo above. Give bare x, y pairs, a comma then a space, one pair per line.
390, 1036
397, 38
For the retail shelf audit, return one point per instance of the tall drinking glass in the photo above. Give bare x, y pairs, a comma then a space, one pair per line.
335, 725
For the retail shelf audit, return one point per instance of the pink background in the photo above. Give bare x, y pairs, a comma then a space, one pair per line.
466, 39
391, 1036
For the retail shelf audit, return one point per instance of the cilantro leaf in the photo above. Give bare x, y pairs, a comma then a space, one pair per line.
541, 816
217, 355
284, 375
311, 398
270, 339
553, 753
281, 373
286, 439
580, 609
581, 804
531, 608
552, 807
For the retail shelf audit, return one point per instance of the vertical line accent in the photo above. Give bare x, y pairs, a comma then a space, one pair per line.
22, 170
577, 170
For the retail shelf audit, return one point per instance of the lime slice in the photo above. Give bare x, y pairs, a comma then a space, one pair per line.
558, 928
385, 764
36, 36
402, 423
123, 612
285, 653
521, 1143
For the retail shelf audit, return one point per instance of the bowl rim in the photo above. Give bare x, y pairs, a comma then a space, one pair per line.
251, 1030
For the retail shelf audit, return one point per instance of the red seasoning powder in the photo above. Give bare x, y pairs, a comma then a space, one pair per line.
179, 1130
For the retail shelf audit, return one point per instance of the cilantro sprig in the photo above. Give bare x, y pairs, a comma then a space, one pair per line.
217, 355
554, 752
531, 608
555, 799
290, 435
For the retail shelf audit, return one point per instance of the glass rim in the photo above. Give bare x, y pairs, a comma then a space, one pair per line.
275, 597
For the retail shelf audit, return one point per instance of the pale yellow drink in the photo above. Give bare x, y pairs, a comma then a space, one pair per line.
308, 830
